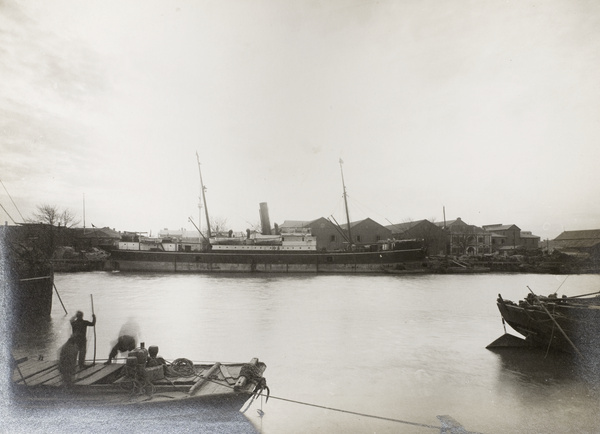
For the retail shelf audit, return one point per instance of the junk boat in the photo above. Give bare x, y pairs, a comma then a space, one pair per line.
283, 252
222, 386
568, 324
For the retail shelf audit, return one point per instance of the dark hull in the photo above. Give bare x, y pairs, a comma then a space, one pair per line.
280, 262
572, 326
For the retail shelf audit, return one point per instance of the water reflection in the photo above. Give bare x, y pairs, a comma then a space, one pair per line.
534, 365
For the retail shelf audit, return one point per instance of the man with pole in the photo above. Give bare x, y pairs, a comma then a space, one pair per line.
79, 327
94, 316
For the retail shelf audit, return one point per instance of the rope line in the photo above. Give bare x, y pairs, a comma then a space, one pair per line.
423, 425
389, 419
308, 404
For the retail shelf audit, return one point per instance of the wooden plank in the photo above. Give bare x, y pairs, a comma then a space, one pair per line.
198, 384
209, 388
31, 368
56, 381
43, 377
95, 376
226, 375
86, 372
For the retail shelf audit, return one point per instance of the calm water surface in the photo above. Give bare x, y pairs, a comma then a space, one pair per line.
407, 348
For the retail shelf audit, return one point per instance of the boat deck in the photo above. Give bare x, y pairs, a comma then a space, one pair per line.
39, 380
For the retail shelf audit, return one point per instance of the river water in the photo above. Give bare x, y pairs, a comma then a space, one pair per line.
364, 354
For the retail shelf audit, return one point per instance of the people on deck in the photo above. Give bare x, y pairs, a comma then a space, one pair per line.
67, 361
124, 343
79, 327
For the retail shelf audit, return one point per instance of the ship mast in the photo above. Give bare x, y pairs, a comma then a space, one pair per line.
203, 189
346, 202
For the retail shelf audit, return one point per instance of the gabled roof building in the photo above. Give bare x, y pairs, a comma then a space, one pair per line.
433, 236
332, 237
586, 241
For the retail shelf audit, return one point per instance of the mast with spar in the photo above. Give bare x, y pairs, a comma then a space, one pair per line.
203, 189
346, 202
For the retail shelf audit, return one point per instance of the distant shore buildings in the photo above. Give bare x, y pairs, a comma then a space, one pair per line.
453, 237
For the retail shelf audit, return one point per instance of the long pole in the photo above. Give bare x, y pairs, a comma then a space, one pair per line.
556, 324
203, 198
83, 213
61, 302
346, 203
94, 361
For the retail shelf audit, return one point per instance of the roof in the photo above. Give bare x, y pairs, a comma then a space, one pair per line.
575, 244
590, 234
359, 222
97, 233
295, 223
528, 235
498, 227
449, 223
403, 227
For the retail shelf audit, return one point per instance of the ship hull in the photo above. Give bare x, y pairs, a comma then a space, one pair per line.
280, 262
563, 326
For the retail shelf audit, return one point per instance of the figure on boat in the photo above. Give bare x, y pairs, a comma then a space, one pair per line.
67, 361
124, 343
79, 327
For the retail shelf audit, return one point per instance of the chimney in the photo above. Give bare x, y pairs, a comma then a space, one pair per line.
264, 219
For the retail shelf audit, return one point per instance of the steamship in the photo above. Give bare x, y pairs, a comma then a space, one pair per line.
290, 251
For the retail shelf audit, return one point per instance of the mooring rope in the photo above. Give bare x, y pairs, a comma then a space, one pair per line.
372, 416
324, 407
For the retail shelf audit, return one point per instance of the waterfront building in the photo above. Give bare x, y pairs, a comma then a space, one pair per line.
510, 239
433, 236
466, 239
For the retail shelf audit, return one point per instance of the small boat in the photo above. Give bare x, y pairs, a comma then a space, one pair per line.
222, 386
568, 324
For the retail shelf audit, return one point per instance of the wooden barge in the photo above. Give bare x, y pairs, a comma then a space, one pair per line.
221, 386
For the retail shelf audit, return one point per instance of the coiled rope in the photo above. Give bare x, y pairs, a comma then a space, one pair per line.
182, 367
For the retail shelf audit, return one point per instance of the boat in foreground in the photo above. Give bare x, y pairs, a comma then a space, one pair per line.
568, 324
221, 386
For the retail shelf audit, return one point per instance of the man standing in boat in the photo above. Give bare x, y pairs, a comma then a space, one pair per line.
79, 327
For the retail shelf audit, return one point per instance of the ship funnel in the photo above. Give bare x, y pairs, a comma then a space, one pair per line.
265, 224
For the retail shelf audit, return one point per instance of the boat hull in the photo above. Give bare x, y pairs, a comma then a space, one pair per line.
220, 388
567, 327
280, 262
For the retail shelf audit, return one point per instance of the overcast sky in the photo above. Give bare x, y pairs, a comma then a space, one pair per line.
490, 109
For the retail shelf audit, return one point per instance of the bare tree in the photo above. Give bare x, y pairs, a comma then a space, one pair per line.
218, 225
51, 215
